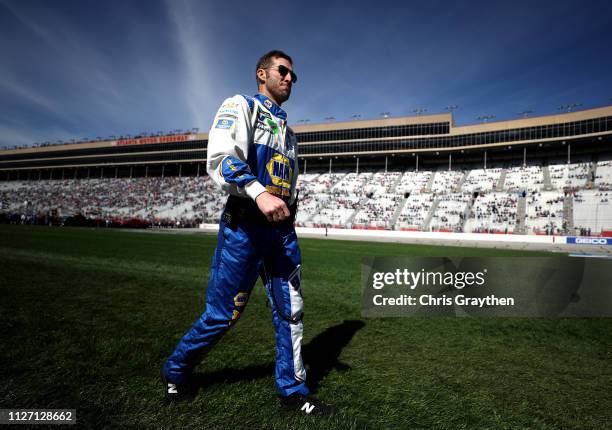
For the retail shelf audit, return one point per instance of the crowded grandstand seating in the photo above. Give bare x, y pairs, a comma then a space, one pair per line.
457, 200
170, 199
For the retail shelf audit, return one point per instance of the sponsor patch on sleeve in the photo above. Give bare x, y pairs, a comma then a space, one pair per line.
230, 105
223, 123
226, 111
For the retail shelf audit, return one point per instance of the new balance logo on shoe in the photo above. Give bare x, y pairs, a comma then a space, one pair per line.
183, 392
308, 408
308, 405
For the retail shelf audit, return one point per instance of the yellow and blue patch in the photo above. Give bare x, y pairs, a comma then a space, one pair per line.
224, 123
280, 171
240, 300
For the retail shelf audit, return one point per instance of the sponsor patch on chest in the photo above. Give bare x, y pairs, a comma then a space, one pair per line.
224, 123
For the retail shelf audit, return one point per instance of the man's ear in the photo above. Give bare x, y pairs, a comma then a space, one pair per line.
261, 75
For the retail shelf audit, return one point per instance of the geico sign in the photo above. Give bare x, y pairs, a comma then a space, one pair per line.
592, 241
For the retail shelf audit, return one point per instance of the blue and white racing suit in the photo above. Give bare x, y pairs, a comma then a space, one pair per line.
251, 150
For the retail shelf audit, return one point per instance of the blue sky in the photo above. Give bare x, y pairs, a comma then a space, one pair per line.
82, 69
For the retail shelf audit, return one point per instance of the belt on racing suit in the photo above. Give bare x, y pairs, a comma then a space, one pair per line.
239, 209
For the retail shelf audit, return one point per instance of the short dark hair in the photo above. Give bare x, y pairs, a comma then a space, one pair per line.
266, 60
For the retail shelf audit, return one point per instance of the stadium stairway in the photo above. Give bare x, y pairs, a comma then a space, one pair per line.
568, 212
547, 185
360, 205
590, 176
397, 213
502, 180
430, 182
310, 217
461, 181
397, 182
430, 214
467, 212
521, 210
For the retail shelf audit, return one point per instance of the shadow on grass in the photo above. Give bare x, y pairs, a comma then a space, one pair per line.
321, 354
320, 357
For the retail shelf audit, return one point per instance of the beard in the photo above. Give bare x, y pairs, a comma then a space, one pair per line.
280, 93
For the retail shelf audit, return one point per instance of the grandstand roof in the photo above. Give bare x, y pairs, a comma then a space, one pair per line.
535, 121
367, 123
347, 125
397, 135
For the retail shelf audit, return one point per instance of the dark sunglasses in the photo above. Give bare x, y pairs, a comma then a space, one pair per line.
283, 70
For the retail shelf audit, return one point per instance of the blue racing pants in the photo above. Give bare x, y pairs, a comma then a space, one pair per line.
244, 252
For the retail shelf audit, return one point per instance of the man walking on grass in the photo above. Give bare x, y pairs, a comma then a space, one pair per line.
252, 155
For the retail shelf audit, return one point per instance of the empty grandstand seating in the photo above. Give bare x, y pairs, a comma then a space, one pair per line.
482, 180
603, 177
494, 212
450, 212
446, 181
568, 175
415, 211
529, 178
377, 212
413, 182
593, 210
381, 202
544, 211
327, 199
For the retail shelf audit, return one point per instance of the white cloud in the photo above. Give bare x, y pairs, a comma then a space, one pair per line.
196, 57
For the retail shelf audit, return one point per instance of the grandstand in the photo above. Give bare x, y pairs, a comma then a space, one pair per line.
540, 175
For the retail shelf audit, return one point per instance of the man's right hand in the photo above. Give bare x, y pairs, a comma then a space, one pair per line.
272, 207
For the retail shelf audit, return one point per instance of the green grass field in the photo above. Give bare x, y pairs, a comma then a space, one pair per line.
88, 317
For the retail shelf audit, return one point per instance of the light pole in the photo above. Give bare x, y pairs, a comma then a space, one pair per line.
385, 114
525, 113
419, 111
569, 107
485, 118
